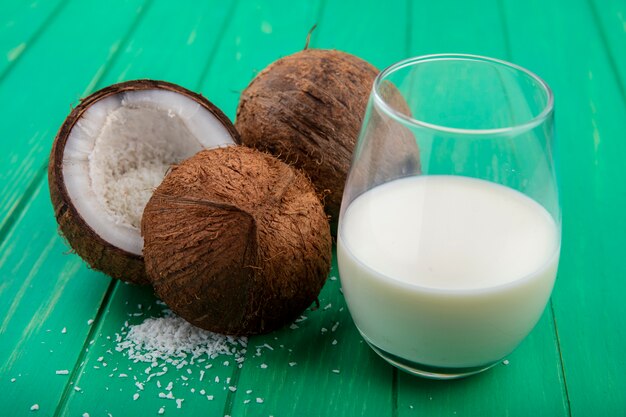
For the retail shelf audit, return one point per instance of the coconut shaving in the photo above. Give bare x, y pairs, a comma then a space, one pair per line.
170, 339
132, 153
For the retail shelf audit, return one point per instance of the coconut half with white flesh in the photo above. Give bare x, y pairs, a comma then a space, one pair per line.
110, 154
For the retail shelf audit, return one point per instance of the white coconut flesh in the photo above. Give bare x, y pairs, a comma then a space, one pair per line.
120, 150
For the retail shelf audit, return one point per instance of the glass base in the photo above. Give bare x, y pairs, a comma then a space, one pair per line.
427, 371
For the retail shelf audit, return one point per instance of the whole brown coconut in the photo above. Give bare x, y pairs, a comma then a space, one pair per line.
111, 152
236, 241
307, 110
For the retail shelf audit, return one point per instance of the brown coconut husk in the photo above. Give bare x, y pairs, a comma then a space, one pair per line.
236, 241
307, 109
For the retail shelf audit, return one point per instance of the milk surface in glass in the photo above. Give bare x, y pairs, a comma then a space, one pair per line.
446, 271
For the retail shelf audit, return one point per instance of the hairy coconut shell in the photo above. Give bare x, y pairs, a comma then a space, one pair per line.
97, 252
307, 109
236, 241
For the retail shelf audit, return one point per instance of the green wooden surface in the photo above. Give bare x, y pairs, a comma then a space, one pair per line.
60, 65
54, 52
20, 26
588, 302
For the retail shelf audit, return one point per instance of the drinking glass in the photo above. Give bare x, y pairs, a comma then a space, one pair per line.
450, 227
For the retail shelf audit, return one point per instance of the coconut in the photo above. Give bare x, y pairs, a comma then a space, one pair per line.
307, 109
236, 241
111, 152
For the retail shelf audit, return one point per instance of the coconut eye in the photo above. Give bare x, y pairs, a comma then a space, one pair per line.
112, 152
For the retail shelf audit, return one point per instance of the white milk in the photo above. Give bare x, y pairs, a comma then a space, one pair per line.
446, 271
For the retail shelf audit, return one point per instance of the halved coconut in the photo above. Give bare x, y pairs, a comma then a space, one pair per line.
111, 153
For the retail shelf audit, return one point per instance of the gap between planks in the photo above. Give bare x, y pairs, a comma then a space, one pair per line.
9, 221
7, 224
607, 49
33, 38
224, 26
78, 366
561, 361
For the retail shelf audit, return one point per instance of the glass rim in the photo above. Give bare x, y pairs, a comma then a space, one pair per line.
401, 117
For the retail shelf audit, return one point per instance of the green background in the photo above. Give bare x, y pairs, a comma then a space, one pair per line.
53, 52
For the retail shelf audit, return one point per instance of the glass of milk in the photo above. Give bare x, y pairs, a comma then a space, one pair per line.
450, 227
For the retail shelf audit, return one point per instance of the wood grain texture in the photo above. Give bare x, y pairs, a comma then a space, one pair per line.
21, 24
42, 292
610, 19
258, 33
178, 52
379, 35
107, 374
55, 78
590, 115
457, 27
47, 296
217, 47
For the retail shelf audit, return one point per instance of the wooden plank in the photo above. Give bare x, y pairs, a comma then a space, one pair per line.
560, 41
43, 286
259, 33
378, 34
36, 301
177, 52
47, 80
46, 300
457, 27
610, 18
532, 382
20, 25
